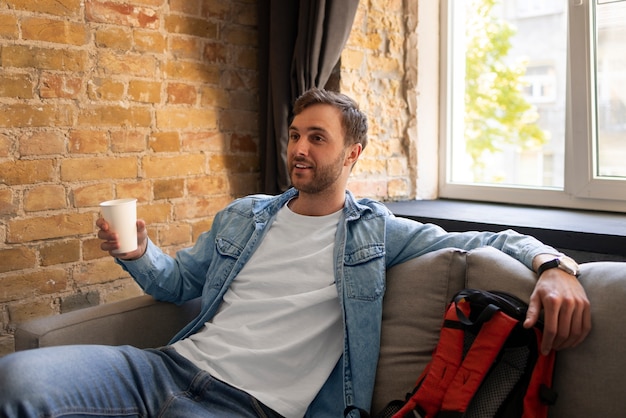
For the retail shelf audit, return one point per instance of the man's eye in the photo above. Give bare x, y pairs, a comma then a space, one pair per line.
293, 137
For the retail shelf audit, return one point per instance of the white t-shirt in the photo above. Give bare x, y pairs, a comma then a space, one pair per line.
278, 334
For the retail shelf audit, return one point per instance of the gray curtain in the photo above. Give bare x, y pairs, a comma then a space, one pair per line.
300, 43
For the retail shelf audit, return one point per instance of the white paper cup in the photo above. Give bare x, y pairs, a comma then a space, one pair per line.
121, 214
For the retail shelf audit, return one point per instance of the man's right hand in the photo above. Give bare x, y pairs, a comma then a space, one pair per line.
111, 244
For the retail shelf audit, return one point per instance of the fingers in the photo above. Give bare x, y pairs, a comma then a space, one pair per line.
110, 240
567, 316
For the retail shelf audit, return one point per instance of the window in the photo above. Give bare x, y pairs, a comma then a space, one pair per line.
535, 113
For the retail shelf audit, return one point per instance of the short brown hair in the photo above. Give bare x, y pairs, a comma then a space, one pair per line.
354, 121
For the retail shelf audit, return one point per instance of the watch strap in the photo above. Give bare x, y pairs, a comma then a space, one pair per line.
554, 263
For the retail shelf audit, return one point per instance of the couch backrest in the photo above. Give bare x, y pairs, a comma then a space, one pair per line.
589, 379
416, 297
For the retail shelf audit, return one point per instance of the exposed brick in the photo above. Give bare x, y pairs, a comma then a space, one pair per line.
234, 163
123, 289
214, 141
177, 166
17, 259
200, 207
26, 172
184, 6
56, 226
215, 52
45, 197
8, 205
5, 145
175, 234
121, 14
58, 7
92, 250
7, 344
199, 227
40, 282
8, 26
23, 115
18, 86
51, 30
192, 71
179, 93
28, 56
185, 47
37, 308
138, 65
80, 301
165, 142
42, 143
155, 213
144, 91
98, 271
191, 26
213, 96
140, 190
206, 185
149, 41
216, 9
60, 252
169, 189
96, 168
244, 14
114, 37
114, 116
128, 141
87, 141
243, 144
92, 194
186, 118
239, 120
105, 89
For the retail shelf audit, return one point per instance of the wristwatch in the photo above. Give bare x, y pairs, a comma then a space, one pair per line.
562, 262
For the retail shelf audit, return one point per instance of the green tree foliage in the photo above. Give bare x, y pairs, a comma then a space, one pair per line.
496, 112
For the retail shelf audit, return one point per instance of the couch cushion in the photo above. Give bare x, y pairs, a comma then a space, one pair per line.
416, 297
490, 269
590, 377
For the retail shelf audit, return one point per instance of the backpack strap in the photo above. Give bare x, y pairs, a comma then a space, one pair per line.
478, 360
445, 369
447, 358
540, 394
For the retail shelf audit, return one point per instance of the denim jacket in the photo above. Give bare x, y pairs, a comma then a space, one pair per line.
369, 240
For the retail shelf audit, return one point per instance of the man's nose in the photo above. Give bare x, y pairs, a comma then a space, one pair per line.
301, 147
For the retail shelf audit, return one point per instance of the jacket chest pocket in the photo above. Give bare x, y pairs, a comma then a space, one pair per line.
228, 252
364, 272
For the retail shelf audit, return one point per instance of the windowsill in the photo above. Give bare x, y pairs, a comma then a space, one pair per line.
584, 231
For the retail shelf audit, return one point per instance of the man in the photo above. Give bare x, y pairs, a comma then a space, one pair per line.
291, 288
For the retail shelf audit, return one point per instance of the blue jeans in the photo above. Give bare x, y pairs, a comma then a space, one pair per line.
77, 381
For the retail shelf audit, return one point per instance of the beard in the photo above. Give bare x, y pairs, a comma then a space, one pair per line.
322, 178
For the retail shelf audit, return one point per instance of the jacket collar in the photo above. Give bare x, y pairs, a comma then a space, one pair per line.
267, 206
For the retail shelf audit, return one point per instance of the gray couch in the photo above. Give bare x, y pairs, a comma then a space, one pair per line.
590, 378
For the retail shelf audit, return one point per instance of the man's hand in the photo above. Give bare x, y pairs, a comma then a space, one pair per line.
110, 240
567, 314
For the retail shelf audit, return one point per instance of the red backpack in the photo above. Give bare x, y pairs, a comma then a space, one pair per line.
486, 364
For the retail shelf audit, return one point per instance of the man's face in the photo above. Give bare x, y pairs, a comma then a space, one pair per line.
316, 154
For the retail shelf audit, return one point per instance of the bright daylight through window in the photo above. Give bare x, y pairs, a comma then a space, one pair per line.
535, 102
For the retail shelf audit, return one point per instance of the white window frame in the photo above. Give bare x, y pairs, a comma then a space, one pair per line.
582, 189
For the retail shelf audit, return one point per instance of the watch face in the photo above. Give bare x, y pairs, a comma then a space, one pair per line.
569, 265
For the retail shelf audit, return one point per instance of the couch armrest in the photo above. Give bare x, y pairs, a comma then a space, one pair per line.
140, 321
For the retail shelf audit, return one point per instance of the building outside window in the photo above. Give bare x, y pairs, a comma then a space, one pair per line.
535, 113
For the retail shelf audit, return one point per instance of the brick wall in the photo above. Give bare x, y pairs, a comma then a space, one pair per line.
157, 100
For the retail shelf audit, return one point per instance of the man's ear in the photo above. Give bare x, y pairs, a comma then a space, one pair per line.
352, 154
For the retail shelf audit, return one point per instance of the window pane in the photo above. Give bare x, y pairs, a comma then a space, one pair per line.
611, 88
508, 92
